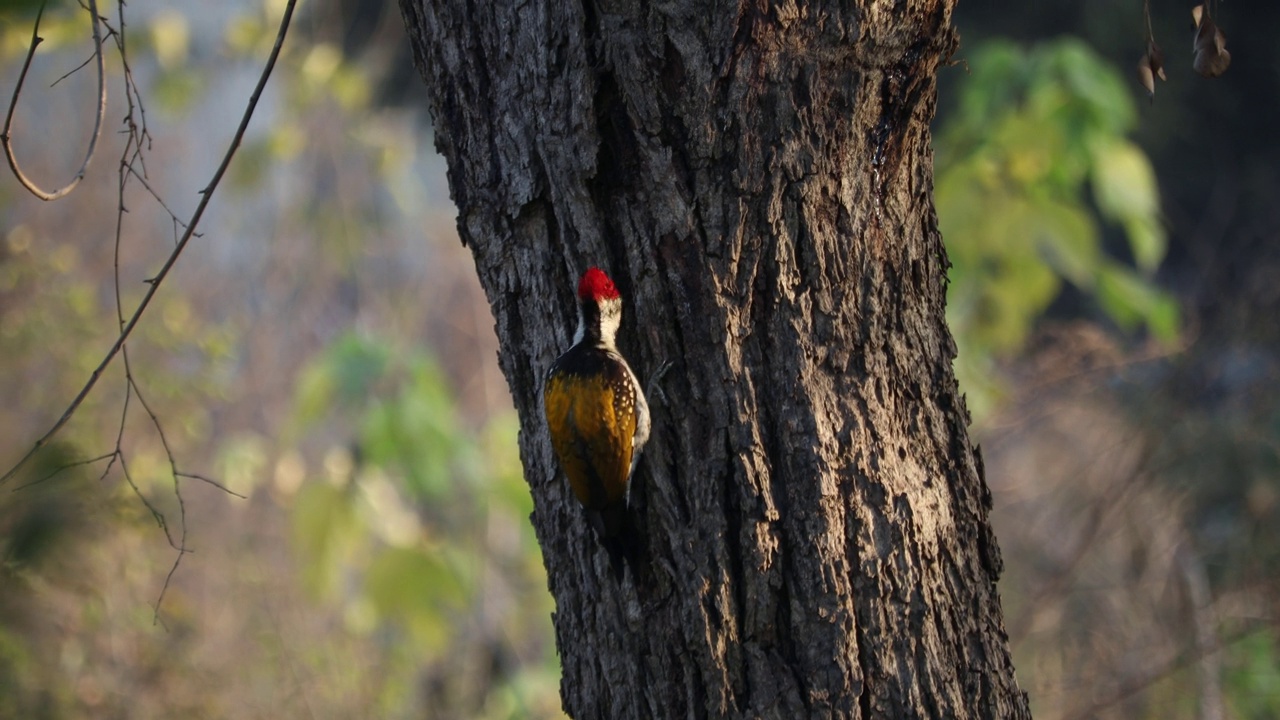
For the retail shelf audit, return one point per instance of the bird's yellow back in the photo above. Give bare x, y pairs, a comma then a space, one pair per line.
592, 421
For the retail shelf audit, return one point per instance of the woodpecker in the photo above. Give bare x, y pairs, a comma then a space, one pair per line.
598, 416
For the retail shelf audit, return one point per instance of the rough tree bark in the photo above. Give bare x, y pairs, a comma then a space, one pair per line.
757, 178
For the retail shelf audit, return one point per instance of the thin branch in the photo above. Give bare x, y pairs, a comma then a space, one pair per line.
6, 137
107, 470
72, 71
181, 546
155, 618
151, 191
164, 525
210, 481
205, 195
137, 127
66, 466
135, 121
155, 514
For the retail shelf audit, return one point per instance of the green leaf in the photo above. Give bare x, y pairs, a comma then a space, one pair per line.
357, 364
1029, 149
1069, 239
1033, 128
1132, 301
415, 588
1100, 103
416, 431
324, 530
1124, 184
1020, 291
1148, 243
997, 77
314, 394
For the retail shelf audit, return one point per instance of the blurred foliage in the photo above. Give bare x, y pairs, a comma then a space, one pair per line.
44, 525
1032, 168
411, 581
19, 8
1252, 677
51, 288
1237, 446
418, 528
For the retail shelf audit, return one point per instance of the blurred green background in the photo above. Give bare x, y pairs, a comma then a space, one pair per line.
325, 351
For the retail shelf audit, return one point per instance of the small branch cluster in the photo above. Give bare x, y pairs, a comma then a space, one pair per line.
132, 168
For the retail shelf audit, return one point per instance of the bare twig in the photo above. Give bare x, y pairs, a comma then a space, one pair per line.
6, 137
151, 191
210, 481
63, 467
73, 70
155, 514
205, 195
168, 451
181, 545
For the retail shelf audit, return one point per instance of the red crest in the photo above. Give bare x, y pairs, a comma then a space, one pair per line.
596, 286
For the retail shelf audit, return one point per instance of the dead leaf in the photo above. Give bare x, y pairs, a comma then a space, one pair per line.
1146, 78
1210, 57
1150, 67
1155, 57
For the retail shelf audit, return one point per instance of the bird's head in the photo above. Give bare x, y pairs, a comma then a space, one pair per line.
599, 308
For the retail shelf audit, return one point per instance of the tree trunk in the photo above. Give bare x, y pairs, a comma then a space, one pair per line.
757, 178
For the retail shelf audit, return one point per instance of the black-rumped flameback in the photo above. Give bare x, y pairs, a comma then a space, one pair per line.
598, 417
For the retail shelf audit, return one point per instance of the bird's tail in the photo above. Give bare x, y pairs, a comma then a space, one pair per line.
617, 533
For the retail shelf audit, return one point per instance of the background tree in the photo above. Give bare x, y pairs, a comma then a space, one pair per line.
759, 182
